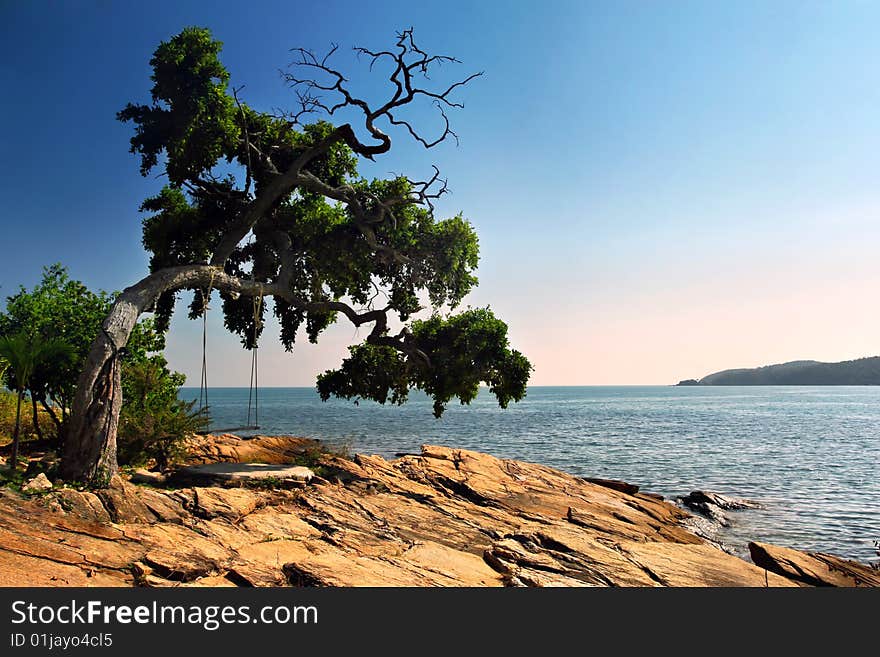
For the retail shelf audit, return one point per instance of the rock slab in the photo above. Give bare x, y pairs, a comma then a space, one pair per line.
243, 473
39, 484
813, 568
446, 517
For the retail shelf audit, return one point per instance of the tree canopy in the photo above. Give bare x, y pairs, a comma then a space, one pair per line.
325, 241
261, 204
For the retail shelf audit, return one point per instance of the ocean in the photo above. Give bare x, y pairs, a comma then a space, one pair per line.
809, 455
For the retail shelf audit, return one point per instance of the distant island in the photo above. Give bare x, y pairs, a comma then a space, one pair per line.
859, 372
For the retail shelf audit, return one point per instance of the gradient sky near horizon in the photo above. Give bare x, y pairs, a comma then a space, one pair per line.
661, 190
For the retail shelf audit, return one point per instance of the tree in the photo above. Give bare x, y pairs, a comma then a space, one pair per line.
262, 205
62, 309
25, 354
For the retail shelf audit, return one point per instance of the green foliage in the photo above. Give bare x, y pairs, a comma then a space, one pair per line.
464, 350
13, 479
61, 309
149, 381
372, 372
8, 402
191, 117
154, 423
27, 354
216, 150
7, 405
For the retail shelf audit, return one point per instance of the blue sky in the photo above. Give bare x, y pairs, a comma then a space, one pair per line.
661, 189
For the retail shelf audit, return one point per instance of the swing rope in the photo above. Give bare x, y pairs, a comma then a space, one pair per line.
203, 390
253, 389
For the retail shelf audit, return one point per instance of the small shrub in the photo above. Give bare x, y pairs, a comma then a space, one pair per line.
154, 423
316, 455
313, 455
11, 478
158, 433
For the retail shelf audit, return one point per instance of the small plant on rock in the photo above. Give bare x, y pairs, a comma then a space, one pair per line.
154, 423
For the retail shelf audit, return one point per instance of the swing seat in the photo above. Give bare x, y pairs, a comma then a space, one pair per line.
227, 430
254, 389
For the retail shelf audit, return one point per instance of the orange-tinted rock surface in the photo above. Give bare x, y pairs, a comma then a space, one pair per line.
445, 518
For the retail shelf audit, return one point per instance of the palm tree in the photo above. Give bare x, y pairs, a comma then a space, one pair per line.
24, 354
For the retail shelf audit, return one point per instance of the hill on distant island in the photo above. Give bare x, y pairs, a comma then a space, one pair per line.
859, 372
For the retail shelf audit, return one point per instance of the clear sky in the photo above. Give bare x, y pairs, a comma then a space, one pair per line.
661, 189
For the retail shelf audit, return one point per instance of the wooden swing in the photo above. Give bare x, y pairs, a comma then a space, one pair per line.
253, 389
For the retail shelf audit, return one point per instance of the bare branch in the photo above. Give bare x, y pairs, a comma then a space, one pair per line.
409, 60
309, 104
446, 131
443, 97
247, 142
377, 292
422, 193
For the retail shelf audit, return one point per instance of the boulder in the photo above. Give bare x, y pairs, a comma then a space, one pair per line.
166, 506
698, 497
712, 505
83, 504
178, 567
39, 484
242, 473
123, 504
813, 568
622, 486
230, 503
143, 476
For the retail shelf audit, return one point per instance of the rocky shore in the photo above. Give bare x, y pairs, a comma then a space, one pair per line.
445, 517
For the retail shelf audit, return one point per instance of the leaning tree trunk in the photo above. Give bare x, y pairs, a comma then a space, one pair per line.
90, 446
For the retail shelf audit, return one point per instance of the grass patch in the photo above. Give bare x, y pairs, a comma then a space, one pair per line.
12, 479
271, 539
264, 483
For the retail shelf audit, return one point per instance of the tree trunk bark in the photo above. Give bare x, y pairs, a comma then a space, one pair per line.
36, 418
90, 445
13, 461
